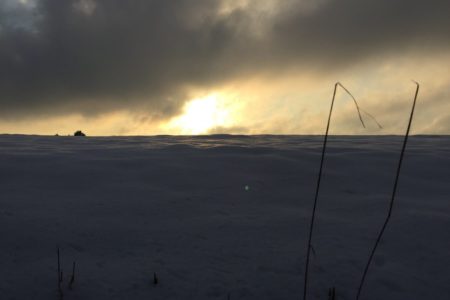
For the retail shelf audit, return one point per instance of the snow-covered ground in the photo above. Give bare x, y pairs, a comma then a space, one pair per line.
214, 216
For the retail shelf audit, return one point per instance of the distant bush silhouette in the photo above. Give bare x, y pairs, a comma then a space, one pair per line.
79, 133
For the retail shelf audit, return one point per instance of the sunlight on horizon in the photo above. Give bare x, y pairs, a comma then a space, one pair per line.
201, 115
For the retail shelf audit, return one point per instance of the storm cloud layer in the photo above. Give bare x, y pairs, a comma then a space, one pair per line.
95, 56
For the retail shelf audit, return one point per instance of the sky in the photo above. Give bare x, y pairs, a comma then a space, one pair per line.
145, 67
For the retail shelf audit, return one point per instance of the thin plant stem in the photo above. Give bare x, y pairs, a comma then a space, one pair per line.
61, 294
72, 279
313, 215
356, 104
59, 267
394, 192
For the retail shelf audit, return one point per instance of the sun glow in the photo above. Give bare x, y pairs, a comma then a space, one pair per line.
201, 115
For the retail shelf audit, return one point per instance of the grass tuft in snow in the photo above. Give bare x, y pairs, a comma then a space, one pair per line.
332, 293
155, 279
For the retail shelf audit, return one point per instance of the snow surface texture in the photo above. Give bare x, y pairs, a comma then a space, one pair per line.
219, 215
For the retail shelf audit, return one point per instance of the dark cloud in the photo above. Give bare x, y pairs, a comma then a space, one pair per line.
93, 56
342, 32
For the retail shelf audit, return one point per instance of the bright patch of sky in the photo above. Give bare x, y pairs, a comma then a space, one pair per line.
19, 14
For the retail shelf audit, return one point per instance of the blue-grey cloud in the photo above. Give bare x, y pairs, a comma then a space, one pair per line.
92, 56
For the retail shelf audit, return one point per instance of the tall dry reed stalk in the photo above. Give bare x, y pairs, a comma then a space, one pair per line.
313, 215
394, 192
